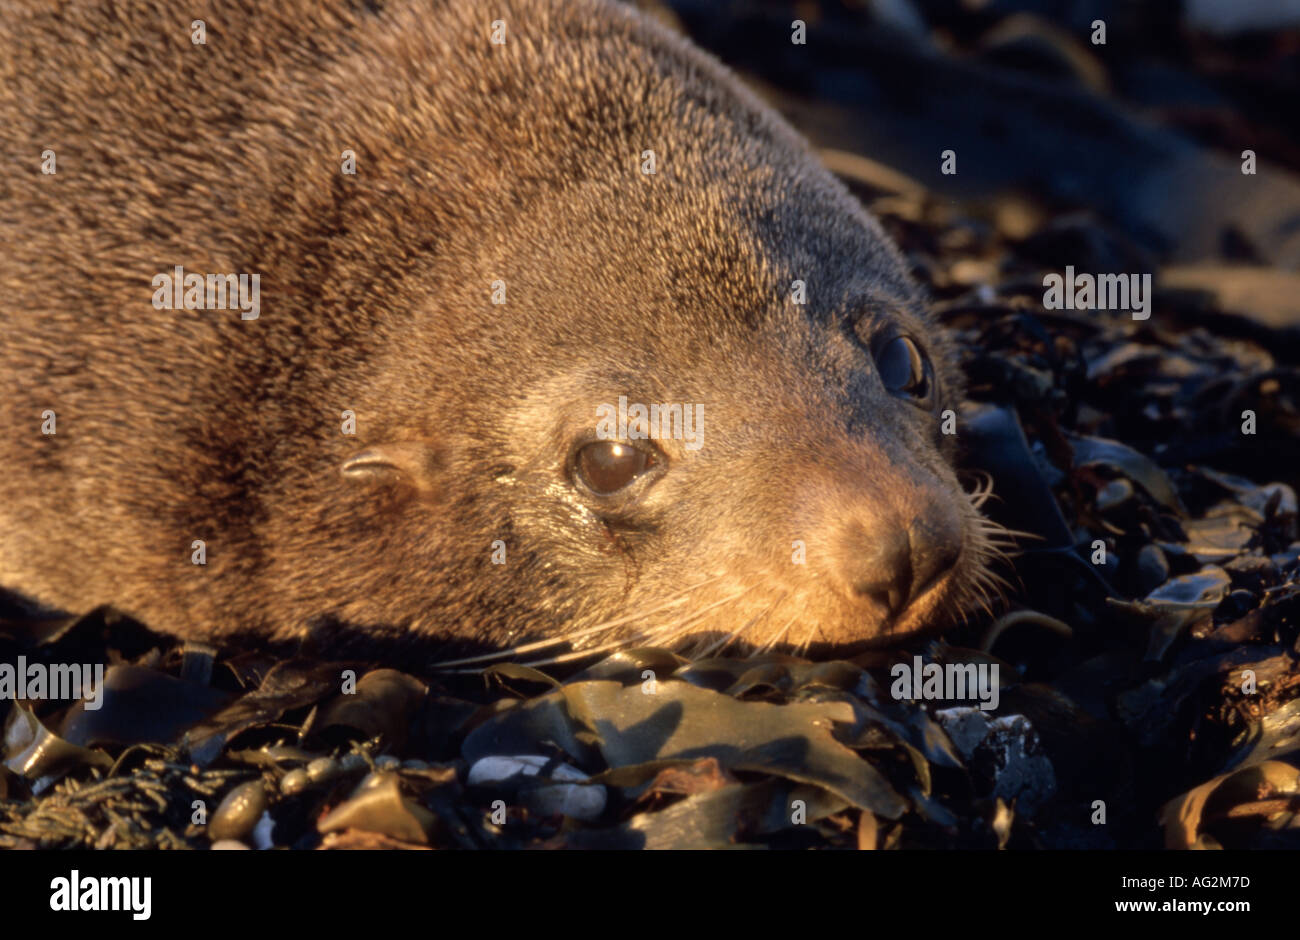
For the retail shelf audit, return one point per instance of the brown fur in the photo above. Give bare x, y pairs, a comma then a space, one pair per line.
475, 162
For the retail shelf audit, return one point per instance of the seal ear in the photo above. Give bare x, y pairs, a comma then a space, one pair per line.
398, 463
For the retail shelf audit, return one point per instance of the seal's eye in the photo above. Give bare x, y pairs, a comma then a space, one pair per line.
903, 368
607, 466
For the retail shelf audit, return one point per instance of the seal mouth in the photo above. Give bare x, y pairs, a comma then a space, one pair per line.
929, 612
968, 584
927, 607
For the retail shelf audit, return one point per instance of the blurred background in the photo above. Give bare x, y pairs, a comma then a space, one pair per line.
1108, 134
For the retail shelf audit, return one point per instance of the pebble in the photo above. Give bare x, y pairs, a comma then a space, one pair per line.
238, 812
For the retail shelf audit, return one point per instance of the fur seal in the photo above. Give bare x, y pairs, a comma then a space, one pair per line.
432, 426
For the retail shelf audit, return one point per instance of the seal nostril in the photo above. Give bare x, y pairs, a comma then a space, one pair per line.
882, 598
877, 565
892, 565
931, 561
895, 599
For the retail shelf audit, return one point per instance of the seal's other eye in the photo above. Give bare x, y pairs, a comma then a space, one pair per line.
605, 467
904, 368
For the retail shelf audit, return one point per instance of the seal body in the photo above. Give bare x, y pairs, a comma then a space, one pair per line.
475, 233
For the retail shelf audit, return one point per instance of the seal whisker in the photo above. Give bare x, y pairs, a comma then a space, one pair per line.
635, 639
739, 632
803, 646
669, 635
983, 489
717, 646
586, 631
775, 638
770, 644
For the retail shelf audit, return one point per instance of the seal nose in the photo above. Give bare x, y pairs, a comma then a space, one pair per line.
892, 564
881, 567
